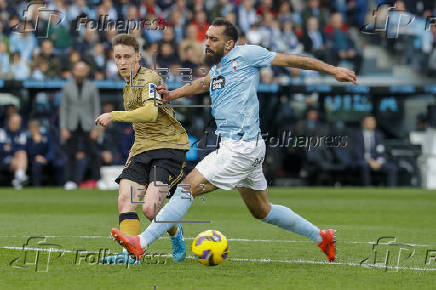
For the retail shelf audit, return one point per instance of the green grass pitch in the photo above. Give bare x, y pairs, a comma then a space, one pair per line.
261, 256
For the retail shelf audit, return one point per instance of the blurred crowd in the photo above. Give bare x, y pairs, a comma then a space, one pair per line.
328, 30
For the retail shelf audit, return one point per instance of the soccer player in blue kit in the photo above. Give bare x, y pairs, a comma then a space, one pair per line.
237, 163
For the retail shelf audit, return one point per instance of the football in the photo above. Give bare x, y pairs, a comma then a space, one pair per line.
210, 247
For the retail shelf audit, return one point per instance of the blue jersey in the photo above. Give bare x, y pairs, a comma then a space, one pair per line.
233, 91
11, 142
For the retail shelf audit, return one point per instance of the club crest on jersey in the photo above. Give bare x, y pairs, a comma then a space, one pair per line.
218, 83
234, 62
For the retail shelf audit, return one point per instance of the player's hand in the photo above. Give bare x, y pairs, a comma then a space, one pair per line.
104, 119
40, 159
163, 91
374, 164
344, 75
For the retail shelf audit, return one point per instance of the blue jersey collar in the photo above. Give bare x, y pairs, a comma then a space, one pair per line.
228, 56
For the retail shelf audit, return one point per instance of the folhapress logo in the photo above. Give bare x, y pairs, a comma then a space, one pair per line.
394, 22
37, 17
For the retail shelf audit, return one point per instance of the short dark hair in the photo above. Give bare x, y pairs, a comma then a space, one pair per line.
126, 39
230, 30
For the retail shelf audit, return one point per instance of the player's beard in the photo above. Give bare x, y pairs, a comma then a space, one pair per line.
214, 58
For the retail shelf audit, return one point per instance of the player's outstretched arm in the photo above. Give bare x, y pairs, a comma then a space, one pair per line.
146, 113
339, 73
198, 86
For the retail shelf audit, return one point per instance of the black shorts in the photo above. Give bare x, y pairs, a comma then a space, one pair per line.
164, 165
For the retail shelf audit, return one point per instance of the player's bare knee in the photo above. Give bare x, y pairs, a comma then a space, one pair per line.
149, 211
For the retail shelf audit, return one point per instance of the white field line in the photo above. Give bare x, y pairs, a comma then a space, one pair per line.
299, 261
230, 240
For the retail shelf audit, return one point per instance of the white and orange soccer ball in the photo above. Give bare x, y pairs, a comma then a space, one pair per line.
210, 248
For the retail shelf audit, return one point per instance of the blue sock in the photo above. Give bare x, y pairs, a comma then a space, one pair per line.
285, 218
174, 210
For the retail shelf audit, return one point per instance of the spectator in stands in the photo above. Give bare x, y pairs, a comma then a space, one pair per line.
6, 10
13, 151
342, 44
167, 36
141, 40
24, 43
109, 33
41, 71
40, 149
148, 8
246, 15
266, 6
369, 153
79, 105
14, 20
20, 70
174, 74
356, 12
3, 37
79, 8
177, 24
231, 17
9, 111
59, 34
285, 12
47, 57
132, 13
287, 41
254, 36
313, 40
189, 59
221, 9
68, 63
266, 75
97, 60
313, 9
198, 5
269, 30
111, 67
200, 21
166, 55
153, 34
311, 126
185, 14
191, 41
242, 39
4, 62
122, 7
85, 44
106, 8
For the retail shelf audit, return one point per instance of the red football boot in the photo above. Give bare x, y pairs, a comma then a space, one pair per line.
328, 244
130, 243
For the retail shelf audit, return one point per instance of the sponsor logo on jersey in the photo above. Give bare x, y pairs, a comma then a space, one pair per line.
152, 91
218, 83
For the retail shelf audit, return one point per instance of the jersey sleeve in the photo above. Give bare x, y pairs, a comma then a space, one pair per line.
257, 56
147, 113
